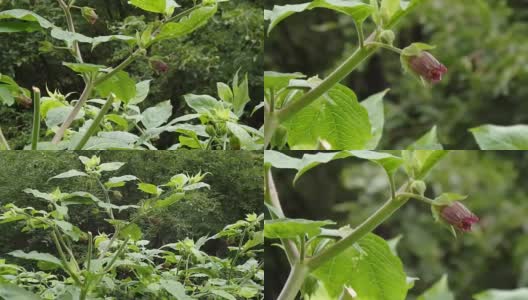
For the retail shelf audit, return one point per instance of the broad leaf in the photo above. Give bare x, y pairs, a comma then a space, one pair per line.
292, 228
119, 84
370, 269
428, 141
68, 174
131, 231
119, 181
223, 294
336, 117
518, 294
246, 142
374, 107
439, 291
155, 116
142, 90
175, 288
157, 6
166, 202
26, 15
12, 292
187, 24
240, 95
107, 38
202, 104
69, 229
418, 163
280, 160
84, 68
34, 255
112, 166
149, 188
493, 137
69, 37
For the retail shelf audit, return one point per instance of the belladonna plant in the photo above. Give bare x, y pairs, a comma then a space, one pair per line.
353, 262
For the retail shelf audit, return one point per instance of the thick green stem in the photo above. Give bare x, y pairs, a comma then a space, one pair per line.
76, 51
272, 198
95, 124
69, 120
119, 67
36, 119
382, 214
295, 281
116, 256
419, 198
64, 261
4, 145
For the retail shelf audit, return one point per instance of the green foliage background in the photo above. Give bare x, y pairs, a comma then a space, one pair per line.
483, 43
232, 40
494, 255
236, 189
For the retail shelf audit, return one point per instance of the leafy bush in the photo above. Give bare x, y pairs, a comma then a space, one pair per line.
120, 265
94, 123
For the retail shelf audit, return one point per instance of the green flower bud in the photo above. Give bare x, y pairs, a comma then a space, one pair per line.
89, 14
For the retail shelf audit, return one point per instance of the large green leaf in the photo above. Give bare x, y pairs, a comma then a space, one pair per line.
120, 84
276, 80
157, 115
240, 95
68, 174
428, 141
388, 162
175, 288
358, 10
5, 95
187, 24
374, 107
34, 255
157, 6
418, 163
336, 117
18, 26
84, 68
518, 294
69, 37
493, 137
439, 291
107, 38
370, 269
202, 104
26, 15
12, 292
246, 142
166, 202
292, 228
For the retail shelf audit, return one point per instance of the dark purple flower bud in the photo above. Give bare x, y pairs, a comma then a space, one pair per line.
159, 65
459, 216
426, 66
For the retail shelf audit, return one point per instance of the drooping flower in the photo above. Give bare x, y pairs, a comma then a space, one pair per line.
158, 65
458, 215
427, 67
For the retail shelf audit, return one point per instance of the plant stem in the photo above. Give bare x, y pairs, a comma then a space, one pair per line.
76, 51
89, 254
386, 46
95, 124
82, 99
64, 261
361, 36
119, 67
36, 118
3, 142
272, 198
295, 281
107, 197
382, 214
418, 197
116, 256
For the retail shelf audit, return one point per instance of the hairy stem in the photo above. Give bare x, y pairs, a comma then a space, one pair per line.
95, 124
69, 120
64, 261
295, 281
382, 214
271, 197
76, 51
35, 132
116, 256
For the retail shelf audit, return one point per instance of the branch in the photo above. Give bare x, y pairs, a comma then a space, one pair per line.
95, 124
76, 51
36, 119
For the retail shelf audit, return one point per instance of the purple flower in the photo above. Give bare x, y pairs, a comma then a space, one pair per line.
427, 66
159, 66
459, 216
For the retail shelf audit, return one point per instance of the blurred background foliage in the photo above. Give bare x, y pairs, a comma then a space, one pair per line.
483, 44
231, 41
236, 190
494, 255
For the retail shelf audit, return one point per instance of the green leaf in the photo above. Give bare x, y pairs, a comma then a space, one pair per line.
68, 174
428, 141
493, 137
369, 268
202, 104
26, 15
155, 116
358, 10
448, 198
418, 163
224, 92
119, 181
240, 95
156, 6
518, 294
166, 202
57, 115
439, 291
112, 166
18, 26
107, 38
277, 81
149, 188
246, 142
292, 228
223, 294
415, 49
187, 24
388, 162
68, 228
5, 96
174, 288
34, 255
69, 37
84, 68
131, 231
374, 106
142, 90
120, 84
12, 292
336, 117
